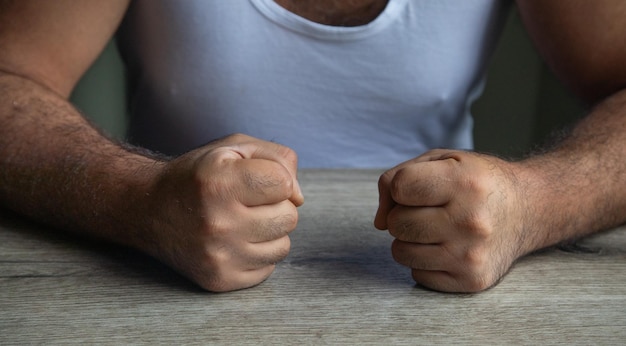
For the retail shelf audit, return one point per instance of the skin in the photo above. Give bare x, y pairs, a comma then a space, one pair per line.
336, 12
222, 214
461, 219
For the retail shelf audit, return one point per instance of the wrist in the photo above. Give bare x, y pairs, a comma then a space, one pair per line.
559, 199
133, 212
531, 190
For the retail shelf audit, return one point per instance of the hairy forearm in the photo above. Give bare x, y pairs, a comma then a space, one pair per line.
56, 168
219, 214
579, 186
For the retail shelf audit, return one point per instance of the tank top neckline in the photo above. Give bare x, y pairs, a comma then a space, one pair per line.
289, 20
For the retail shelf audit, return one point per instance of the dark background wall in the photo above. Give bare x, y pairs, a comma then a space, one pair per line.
521, 105
523, 101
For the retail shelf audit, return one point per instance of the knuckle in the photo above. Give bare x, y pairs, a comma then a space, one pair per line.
478, 275
237, 137
215, 275
405, 187
216, 260
210, 182
211, 187
397, 187
478, 185
476, 223
288, 154
216, 227
385, 178
476, 260
205, 164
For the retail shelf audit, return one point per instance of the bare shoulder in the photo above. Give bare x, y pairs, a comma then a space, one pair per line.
583, 41
54, 42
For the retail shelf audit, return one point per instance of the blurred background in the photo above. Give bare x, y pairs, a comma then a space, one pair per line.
522, 103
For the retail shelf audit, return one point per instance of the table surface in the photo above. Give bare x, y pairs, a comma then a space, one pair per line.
339, 285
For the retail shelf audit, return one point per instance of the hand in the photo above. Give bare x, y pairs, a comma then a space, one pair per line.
222, 213
456, 218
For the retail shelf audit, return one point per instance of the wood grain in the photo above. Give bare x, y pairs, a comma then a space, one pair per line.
339, 285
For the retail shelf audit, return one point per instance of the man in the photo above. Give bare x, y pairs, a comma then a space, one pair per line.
356, 83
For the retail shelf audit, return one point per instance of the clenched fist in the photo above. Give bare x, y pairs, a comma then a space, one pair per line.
456, 218
221, 214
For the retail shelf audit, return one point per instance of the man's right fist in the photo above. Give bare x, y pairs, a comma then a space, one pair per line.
221, 214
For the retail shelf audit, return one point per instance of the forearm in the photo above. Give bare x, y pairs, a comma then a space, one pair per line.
579, 186
57, 168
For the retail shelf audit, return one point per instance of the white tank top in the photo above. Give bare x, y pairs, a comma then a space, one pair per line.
366, 96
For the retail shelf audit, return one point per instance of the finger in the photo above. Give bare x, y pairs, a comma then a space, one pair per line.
270, 222
259, 255
260, 182
424, 184
424, 225
448, 282
252, 148
237, 280
437, 280
385, 184
385, 201
254, 277
246, 266
421, 256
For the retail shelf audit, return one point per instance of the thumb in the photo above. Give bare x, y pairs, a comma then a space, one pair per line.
385, 201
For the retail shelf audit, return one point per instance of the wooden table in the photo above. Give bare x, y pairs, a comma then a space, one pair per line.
339, 285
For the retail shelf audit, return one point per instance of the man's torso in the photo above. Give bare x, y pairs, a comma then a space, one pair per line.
398, 81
